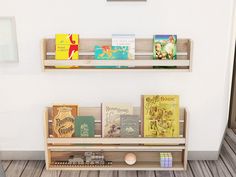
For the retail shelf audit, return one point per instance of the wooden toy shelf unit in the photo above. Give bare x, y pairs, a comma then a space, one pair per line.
143, 57
147, 150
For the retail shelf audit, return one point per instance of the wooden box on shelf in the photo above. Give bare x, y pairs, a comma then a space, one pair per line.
147, 150
143, 57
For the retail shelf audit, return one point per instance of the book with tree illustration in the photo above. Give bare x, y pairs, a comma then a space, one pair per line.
161, 115
111, 118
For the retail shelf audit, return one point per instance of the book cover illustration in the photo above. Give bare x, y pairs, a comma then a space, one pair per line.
111, 53
161, 116
164, 47
129, 126
111, 118
67, 46
125, 40
63, 120
84, 126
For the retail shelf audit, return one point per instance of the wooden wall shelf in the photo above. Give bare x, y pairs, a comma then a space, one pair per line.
143, 57
147, 150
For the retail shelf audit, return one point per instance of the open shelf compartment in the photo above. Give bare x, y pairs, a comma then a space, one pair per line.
146, 160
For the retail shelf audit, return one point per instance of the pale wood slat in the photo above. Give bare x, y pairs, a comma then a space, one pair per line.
117, 62
127, 174
200, 169
15, 169
218, 168
50, 173
164, 173
115, 148
33, 169
146, 174
89, 174
70, 174
5, 164
187, 173
166, 141
109, 173
228, 157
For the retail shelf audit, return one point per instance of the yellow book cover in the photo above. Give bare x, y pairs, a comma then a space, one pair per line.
161, 115
67, 48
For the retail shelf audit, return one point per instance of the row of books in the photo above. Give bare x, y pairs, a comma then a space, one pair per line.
122, 48
160, 118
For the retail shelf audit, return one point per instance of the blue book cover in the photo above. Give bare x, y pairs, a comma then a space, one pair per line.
111, 53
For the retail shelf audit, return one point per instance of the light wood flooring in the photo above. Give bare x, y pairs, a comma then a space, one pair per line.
225, 166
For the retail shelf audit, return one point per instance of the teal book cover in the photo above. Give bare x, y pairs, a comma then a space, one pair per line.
111, 53
84, 126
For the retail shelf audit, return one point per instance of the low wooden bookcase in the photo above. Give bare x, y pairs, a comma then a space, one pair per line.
147, 150
143, 57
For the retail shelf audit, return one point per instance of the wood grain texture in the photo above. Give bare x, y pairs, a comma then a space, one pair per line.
70, 174
164, 173
228, 157
128, 174
50, 173
200, 169
89, 174
6, 164
225, 166
230, 138
218, 168
15, 169
109, 173
33, 169
187, 173
2, 173
146, 174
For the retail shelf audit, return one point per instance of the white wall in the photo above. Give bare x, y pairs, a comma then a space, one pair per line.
25, 90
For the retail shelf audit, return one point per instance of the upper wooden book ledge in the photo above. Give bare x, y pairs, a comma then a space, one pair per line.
143, 57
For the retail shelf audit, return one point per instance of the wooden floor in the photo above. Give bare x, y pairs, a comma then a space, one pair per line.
224, 167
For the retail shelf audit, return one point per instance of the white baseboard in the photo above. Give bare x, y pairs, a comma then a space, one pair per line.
39, 155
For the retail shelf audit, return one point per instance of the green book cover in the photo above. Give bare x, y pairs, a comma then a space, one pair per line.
84, 126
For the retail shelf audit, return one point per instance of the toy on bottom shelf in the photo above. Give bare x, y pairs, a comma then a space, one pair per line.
130, 158
88, 159
166, 160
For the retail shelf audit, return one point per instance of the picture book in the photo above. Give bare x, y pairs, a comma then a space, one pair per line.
111, 118
129, 125
125, 40
63, 120
84, 126
111, 53
161, 115
67, 46
164, 47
